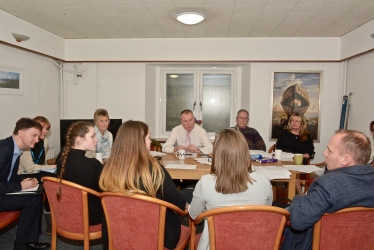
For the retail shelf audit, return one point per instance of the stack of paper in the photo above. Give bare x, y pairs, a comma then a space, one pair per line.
261, 152
155, 153
274, 172
180, 166
302, 168
204, 161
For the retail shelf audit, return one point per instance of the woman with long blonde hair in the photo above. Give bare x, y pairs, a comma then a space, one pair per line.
296, 139
231, 182
132, 170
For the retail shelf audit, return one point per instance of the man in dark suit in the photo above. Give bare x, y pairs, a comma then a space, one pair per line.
25, 135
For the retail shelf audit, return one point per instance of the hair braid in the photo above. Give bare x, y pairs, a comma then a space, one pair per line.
65, 153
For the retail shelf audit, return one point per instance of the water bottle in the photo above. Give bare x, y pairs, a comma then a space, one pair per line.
256, 157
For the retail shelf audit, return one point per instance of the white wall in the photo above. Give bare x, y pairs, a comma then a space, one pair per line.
330, 99
358, 40
117, 87
360, 81
40, 92
40, 40
204, 49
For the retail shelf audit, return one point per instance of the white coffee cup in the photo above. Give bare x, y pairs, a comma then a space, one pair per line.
99, 157
181, 154
278, 154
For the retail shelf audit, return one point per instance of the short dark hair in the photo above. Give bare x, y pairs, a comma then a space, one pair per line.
26, 123
242, 110
371, 125
356, 144
186, 112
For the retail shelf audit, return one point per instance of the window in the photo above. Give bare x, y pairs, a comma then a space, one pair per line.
209, 94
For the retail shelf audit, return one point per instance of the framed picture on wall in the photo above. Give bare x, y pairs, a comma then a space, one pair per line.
10, 80
295, 92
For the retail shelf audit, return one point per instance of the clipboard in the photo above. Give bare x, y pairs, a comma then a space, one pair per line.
38, 191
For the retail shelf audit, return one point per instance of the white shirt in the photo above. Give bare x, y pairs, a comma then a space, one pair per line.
198, 137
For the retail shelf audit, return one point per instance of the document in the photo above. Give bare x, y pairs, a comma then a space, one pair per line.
180, 166
155, 153
302, 168
204, 161
274, 172
49, 170
33, 190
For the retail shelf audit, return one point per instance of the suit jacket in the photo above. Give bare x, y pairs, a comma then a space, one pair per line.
6, 156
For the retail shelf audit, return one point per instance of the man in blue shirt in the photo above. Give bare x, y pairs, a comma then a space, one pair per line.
25, 135
348, 183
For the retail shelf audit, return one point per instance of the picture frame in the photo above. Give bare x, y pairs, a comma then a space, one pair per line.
10, 80
295, 92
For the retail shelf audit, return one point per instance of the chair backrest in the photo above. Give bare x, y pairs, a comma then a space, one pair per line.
135, 222
272, 148
245, 227
70, 213
349, 228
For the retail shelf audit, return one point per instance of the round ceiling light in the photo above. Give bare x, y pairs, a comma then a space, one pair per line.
190, 18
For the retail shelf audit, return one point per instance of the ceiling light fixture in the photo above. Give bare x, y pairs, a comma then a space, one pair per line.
190, 18
174, 76
19, 38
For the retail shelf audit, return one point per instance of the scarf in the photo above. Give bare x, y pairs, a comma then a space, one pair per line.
103, 143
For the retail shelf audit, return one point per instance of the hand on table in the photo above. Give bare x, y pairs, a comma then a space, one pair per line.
29, 183
193, 149
177, 148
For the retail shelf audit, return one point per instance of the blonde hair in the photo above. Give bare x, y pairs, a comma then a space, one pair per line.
303, 129
231, 163
43, 121
100, 112
77, 129
130, 165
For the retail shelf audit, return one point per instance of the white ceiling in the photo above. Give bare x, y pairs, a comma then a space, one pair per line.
82, 19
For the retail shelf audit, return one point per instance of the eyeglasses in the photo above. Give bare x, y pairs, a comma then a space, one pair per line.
243, 118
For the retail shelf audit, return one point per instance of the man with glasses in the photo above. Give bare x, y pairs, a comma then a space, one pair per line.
254, 139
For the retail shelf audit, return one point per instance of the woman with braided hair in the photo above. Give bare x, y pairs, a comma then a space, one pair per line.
74, 166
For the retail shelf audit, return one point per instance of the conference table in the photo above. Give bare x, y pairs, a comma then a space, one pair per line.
202, 169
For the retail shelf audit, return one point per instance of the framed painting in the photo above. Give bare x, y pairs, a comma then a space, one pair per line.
10, 80
295, 92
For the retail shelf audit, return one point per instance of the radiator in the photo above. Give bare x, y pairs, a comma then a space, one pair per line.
51, 152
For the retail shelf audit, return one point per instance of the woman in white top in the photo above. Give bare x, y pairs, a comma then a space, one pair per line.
231, 182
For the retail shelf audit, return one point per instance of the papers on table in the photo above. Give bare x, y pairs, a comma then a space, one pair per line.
155, 153
180, 166
287, 156
261, 152
302, 168
203, 161
274, 172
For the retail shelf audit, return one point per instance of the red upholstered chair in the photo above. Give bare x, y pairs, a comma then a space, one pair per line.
70, 213
138, 221
349, 228
7, 218
243, 227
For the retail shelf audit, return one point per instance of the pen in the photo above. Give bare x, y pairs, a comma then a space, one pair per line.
188, 154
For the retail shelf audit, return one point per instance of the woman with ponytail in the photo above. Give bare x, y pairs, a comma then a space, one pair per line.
131, 169
74, 166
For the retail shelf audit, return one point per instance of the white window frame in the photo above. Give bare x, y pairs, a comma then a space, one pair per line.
198, 80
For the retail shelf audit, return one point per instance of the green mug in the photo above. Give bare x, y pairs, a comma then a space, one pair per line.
298, 159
